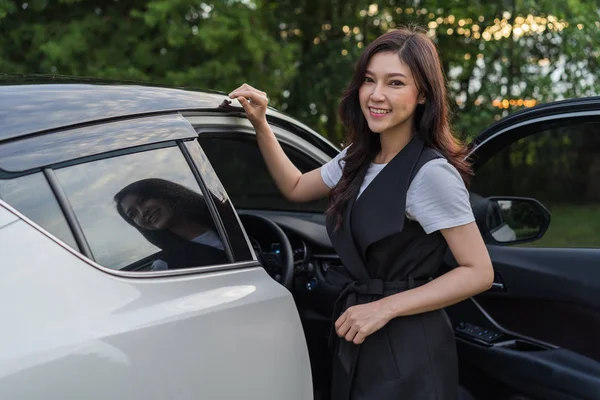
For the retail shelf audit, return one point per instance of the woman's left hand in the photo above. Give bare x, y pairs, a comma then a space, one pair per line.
358, 322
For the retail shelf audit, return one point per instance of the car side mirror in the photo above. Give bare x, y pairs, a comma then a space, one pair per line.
513, 220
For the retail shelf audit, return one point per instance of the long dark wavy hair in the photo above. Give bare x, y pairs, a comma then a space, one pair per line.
184, 202
432, 124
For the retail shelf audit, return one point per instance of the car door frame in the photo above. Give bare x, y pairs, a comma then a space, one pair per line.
528, 363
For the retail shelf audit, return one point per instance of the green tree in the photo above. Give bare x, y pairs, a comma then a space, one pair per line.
218, 45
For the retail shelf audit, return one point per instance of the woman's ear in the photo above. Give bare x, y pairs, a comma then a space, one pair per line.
421, 98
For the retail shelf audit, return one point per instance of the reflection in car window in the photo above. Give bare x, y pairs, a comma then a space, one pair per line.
143, 211
242, 171
32, 196
560, 167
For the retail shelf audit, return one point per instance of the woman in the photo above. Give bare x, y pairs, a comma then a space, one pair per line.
397, 201
174, 219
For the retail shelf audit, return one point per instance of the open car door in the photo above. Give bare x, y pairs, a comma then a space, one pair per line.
536, 198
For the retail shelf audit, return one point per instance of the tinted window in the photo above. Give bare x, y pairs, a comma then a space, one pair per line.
560, 167
32, 196
239, 244
143, 211
240, 166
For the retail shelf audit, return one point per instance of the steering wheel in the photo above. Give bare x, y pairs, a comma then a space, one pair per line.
272, 262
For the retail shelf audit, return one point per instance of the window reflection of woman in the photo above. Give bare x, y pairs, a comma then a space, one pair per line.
173, 218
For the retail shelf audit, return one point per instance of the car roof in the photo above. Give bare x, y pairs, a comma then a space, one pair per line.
31, 104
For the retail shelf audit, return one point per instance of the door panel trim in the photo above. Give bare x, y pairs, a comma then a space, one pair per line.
554, 373
558, 274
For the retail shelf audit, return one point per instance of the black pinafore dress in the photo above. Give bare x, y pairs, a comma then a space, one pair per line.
384, 253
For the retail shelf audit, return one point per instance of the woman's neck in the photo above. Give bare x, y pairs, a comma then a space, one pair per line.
392, 143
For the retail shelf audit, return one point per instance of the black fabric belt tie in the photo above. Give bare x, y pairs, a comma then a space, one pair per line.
361, 292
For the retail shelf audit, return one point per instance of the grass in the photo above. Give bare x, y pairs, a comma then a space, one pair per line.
571, 226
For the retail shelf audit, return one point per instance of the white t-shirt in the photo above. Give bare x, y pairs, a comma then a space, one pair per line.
437, 197
209, 238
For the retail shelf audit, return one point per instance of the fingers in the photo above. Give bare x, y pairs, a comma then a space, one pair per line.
251, 93
351, 334
244, 102
359, 338
256, 97
247, 87
351, 330
340, 320
343, 330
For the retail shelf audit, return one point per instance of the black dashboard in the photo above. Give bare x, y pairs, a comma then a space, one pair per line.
313, 253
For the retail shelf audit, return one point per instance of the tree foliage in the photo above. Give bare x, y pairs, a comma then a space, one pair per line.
499, 55
217, 46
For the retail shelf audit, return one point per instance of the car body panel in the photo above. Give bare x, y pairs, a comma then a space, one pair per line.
72, 331
45, 103
71, 144
25, 110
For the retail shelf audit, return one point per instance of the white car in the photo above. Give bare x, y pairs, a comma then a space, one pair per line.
127, 273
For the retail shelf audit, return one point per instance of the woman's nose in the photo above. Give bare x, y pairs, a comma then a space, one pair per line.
142, 210
377, 94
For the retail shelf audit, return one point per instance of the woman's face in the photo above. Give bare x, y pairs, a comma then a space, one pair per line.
388, 96
151, 214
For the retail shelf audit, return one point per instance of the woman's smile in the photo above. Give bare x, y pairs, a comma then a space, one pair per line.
376, 112
153, 215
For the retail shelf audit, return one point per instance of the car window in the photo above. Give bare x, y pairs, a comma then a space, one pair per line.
233, 228
143, 211
31, 195
240, 166
560, 167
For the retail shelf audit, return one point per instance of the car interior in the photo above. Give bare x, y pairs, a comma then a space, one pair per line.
495, 361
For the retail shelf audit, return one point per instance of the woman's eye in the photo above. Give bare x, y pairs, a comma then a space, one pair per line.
367, 79
396, 83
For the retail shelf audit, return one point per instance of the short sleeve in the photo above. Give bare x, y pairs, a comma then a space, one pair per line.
437, 197
331, 172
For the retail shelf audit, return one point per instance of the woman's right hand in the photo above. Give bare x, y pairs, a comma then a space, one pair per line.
292, 183
254, 103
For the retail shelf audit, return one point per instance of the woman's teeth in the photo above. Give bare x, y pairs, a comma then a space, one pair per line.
379, 111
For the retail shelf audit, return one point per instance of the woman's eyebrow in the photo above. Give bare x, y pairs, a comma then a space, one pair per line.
390, 75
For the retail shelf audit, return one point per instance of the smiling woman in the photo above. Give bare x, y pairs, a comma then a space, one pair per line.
398, 201
173, 218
